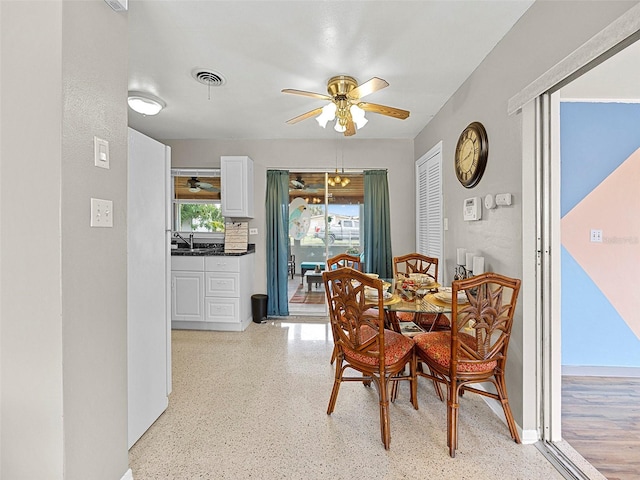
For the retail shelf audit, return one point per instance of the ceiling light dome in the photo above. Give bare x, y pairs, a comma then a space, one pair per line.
145, 103
327, 115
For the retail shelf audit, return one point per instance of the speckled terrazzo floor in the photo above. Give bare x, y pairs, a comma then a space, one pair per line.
253, 405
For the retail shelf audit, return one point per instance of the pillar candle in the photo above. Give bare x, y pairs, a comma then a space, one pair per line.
469, 261
478, 265
461, 258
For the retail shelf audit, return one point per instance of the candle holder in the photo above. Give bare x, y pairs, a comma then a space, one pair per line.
461, 273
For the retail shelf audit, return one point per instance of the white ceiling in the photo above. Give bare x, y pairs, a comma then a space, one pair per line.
424, 49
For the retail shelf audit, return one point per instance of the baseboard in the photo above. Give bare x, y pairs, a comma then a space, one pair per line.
527, 437
596, 371
128, 475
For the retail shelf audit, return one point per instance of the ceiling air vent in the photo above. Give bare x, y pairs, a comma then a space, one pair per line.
208, 77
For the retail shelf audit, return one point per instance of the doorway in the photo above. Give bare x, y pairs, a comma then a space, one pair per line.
324, 220
566, 235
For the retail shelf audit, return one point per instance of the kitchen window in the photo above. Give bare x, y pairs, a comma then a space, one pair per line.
196, 205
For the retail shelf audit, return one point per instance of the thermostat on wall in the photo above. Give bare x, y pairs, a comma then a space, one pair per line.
472, 209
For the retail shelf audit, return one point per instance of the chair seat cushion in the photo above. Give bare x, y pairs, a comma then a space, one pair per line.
426, 320
437, 347
396, 346
405, 316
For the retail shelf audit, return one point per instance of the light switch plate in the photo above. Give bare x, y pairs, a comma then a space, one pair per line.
100, 153
503, 199
596, 235
101, 213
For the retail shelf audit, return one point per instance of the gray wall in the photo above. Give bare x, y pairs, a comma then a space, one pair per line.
396, 155
547, 33
63, 284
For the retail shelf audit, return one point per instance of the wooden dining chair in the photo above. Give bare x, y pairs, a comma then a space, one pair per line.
291, 265
475, 349
344, 260
340, 261
363, 344
405, 265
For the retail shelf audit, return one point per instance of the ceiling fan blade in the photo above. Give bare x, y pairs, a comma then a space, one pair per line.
368, 87
304, 116
307, 94
350, 128
384, 110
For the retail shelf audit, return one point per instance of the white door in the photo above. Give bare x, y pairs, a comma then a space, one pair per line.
148, 325
429, 204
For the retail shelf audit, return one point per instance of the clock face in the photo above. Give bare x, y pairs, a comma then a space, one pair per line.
471, 154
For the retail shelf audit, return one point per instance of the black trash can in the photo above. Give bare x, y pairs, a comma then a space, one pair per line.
259, 307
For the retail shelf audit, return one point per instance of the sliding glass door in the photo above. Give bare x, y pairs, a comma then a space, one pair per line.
325, 210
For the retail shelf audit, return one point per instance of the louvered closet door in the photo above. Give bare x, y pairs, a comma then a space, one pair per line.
429, 204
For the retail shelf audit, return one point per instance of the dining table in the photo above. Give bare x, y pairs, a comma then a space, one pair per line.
430, 299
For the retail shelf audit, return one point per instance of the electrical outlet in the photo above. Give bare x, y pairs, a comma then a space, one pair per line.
253, 231
596, 236
101, 213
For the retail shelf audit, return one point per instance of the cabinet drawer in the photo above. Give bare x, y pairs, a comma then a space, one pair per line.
222, 264
186, 262
222, 284
222, 309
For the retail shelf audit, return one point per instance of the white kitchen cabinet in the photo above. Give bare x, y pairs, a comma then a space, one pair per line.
212, 292
187, 289
236, 186
229, 285
187, 296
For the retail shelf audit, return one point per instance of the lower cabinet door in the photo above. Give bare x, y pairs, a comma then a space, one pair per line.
187, 296
218, 309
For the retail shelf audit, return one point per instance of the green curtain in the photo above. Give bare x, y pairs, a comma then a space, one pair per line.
277, 210
377, 233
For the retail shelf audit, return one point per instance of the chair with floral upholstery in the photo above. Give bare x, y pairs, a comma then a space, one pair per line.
404, 266
362, 342
475, 349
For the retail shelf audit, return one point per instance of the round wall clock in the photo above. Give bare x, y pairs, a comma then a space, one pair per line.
471, 154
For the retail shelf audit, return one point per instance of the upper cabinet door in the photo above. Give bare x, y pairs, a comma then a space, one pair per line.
236, 176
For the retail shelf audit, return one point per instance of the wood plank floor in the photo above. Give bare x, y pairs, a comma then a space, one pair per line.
601, 420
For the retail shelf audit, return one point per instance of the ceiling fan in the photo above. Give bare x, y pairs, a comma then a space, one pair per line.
298, 183
345, 104
196, 185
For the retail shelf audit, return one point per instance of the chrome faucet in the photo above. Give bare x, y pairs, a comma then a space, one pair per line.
188, 242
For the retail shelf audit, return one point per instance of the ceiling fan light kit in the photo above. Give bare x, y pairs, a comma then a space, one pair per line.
345, 104
145, 103
328, 114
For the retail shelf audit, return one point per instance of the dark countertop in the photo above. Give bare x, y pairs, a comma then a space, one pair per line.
209, 250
